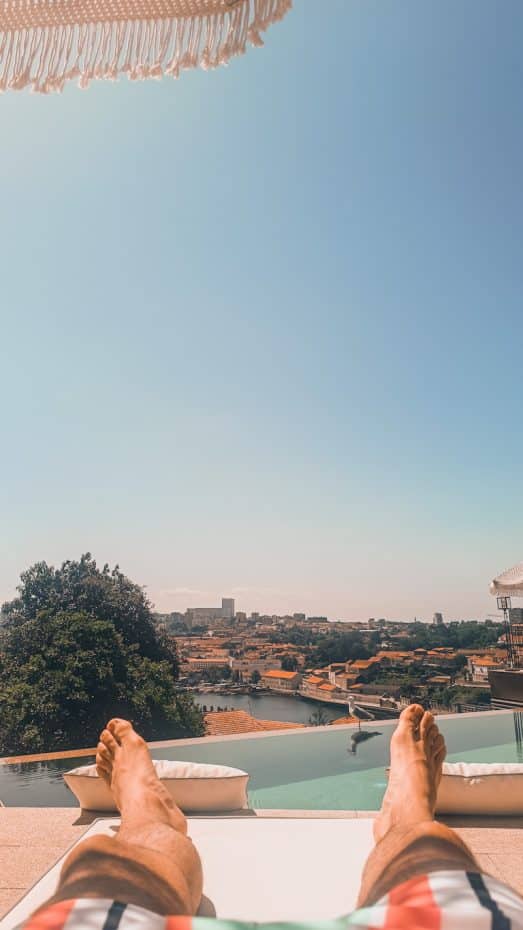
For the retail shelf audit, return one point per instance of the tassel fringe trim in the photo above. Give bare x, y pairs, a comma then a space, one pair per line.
45, 43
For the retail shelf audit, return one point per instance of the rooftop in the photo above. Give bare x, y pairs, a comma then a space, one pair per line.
227, 723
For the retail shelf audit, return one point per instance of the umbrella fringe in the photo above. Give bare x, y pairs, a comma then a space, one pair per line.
45, 57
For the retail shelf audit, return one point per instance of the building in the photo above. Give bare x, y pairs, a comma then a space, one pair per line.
480, 666
506, 688
204, 616
202, 664
311, 684
516, 636
437, 619
244, 667
278, 680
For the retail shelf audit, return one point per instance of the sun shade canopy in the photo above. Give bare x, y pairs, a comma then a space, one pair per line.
44, 43
509, 583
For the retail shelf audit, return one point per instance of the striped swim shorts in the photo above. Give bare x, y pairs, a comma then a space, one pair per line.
438, 901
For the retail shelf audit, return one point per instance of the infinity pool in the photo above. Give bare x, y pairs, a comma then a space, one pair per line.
317, 769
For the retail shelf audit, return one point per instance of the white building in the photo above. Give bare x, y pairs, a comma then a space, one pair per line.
203, 616
245, 667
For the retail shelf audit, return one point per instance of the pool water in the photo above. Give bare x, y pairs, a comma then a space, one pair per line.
319, 769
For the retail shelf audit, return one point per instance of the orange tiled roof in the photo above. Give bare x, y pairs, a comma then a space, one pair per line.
343, 720
276, 673
229, 723
395, 655
327, 687
314, 680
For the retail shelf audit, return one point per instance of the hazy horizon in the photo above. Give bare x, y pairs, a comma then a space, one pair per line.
262, 328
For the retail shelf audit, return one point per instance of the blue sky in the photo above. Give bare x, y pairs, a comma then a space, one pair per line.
262, 326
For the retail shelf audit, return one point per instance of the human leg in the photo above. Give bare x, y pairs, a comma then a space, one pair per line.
151, 862
409, 841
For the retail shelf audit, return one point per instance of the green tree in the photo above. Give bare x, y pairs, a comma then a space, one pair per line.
289, 663
339, 647
215, 674
65, 671
318, 718
255, 677
106, 594
64, 675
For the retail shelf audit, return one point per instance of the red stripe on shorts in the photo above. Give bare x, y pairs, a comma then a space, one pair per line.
178, 923
51, 918
412, 904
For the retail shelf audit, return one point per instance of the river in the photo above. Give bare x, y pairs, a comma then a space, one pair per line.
269, 706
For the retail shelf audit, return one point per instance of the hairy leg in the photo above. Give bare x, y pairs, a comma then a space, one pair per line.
151, 862
408, 840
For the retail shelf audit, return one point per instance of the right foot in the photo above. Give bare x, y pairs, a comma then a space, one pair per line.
124, 762
417, 751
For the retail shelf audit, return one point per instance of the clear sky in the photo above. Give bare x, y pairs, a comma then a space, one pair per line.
262, 328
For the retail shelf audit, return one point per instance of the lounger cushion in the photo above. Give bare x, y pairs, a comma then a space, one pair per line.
481, 788
194, 786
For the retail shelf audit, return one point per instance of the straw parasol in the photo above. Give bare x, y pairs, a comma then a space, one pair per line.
44, 43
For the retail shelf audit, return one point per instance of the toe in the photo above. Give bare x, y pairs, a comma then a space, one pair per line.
426, 724
119, 728
102, 752
103, 767
411, 716
432, 737
108, 741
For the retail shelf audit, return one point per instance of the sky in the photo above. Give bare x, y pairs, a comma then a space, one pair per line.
261, 328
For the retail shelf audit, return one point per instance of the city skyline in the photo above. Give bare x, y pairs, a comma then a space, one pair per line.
261, 328
279, 603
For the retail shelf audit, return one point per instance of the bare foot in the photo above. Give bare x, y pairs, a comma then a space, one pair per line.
417, 751
124, 762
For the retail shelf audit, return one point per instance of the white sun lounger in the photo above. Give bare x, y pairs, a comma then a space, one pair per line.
258, 868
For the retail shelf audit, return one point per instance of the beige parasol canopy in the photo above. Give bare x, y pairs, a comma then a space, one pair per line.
44, 43
509, 583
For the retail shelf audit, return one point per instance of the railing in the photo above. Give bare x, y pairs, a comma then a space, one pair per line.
470, 708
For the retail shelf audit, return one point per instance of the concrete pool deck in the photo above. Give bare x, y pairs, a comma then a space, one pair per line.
33, 839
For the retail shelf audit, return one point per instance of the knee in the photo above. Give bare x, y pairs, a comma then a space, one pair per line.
439, 838
91, 854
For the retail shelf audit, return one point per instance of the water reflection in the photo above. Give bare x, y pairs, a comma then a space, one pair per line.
518, 727
361, 736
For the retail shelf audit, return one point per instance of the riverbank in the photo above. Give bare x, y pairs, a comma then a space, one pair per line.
266, 706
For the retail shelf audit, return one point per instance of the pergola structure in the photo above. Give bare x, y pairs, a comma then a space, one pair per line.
506, 586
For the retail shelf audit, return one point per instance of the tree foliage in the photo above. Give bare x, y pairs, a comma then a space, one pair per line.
339, 647
78, 647
289, 663
469, 635
106, 594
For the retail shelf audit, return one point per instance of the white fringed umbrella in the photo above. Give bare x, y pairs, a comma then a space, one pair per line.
509, 583
44, 43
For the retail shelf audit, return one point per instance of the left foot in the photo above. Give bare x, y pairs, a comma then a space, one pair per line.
124, 762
